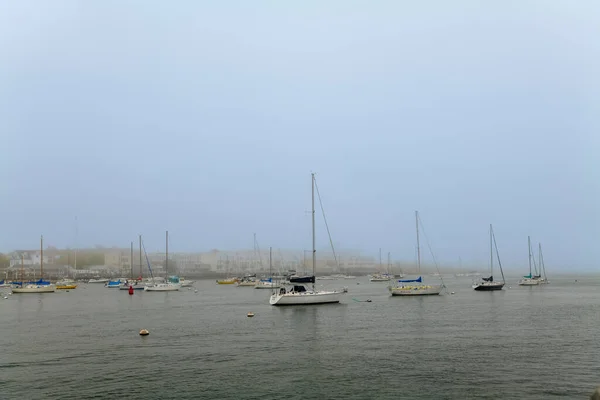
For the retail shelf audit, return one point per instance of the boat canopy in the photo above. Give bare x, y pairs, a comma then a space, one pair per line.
299, 289
174, 279
491, 278
302, 279
527, 276
411, 280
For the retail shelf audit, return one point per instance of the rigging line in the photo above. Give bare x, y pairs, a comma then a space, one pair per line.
498, 256
147, 261
432, 255
326, 225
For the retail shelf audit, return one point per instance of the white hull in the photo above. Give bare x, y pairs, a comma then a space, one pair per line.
186, 283
35, 289
98, 281
266, 285
416, 290
529, 282
162, 287
248, 283
305, 298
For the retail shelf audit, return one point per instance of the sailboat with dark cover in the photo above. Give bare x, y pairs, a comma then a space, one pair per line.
488, 284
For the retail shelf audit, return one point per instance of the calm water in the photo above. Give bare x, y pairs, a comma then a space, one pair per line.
521, 343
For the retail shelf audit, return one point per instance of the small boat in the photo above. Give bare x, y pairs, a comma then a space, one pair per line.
227, 281
98, 280
144, 332
186, 282
113, 284
134, 285
268, 283
65, 286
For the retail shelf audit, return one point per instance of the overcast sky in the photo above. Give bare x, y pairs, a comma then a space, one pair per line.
207, 118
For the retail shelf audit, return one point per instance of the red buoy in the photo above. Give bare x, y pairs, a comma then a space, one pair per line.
130, 289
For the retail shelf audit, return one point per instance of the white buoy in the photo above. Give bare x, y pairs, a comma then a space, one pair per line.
250, 314
144, 332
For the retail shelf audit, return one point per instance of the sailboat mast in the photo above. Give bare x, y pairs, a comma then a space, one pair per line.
76, 234
131, 260
270, 263
529, 245
491, 254
418, 243
140, 238
42, 257
167, 256
314, 251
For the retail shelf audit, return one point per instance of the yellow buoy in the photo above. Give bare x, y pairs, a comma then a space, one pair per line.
144, 332
250, 314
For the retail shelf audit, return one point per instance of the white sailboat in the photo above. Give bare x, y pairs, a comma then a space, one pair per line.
415, 287
166, 286
543, 278
40, 286
488, 284
268, 283
299, 294
529, 280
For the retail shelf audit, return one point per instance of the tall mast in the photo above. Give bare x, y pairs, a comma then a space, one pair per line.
42, 257
491, 253
418, 244
167, 255
314, 251
131, 260
529, 245
140, 237
76, 232
270, 263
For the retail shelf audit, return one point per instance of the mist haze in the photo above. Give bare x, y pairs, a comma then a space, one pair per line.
206, 119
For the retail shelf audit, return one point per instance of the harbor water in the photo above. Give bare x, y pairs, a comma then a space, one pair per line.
519, 343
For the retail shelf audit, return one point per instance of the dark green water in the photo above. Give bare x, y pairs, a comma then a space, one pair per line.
521, 343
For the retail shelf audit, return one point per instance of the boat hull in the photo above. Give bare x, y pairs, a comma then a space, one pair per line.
135, 287
226, 282
529, 282
162, 288
488, 287
65, 287
416, 290
35, 289
305, 298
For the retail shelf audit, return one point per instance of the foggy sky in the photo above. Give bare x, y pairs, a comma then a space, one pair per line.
206, 119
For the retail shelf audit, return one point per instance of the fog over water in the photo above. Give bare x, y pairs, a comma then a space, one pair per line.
206, 119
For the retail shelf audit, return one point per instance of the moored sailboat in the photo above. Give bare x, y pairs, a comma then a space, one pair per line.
167, 286
299, 294
488, 284
415, 287
40, 286
529, 280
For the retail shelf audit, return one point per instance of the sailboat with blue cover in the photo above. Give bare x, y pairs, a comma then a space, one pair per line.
415, 287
